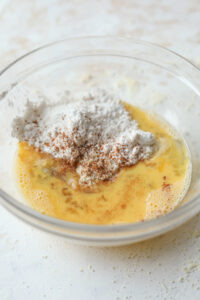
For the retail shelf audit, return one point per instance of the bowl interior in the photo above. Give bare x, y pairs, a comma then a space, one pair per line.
140, 74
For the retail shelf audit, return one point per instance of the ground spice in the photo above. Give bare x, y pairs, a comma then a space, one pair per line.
94, 135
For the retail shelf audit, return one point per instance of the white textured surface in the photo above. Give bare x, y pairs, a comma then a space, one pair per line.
35, 265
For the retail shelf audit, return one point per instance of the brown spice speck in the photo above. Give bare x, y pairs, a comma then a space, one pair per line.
166, 187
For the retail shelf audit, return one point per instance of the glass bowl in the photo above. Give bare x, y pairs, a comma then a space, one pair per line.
142, 74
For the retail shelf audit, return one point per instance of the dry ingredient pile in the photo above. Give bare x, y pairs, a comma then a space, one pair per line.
94, 135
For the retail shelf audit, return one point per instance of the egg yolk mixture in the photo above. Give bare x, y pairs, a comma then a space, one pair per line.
146, 190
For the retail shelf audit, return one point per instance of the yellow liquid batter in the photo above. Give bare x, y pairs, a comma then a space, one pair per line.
146, 190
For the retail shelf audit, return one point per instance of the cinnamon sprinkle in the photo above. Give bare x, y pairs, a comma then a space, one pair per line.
94, 135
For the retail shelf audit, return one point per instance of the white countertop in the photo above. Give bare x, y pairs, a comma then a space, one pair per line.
36, 265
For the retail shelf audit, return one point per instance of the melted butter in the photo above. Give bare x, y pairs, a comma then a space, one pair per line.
146, 190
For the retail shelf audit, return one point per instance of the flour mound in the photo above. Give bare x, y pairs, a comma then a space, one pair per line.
95, 134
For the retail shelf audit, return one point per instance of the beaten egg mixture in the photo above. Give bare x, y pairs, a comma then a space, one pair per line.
146, 190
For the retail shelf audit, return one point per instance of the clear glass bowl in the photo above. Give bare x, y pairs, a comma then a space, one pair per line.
143, 74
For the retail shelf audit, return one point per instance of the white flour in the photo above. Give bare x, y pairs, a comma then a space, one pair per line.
94, 135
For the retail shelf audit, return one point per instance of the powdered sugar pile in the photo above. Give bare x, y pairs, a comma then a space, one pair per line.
95, 135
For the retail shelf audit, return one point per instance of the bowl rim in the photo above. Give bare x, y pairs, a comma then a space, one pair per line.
10, 203
129, 38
